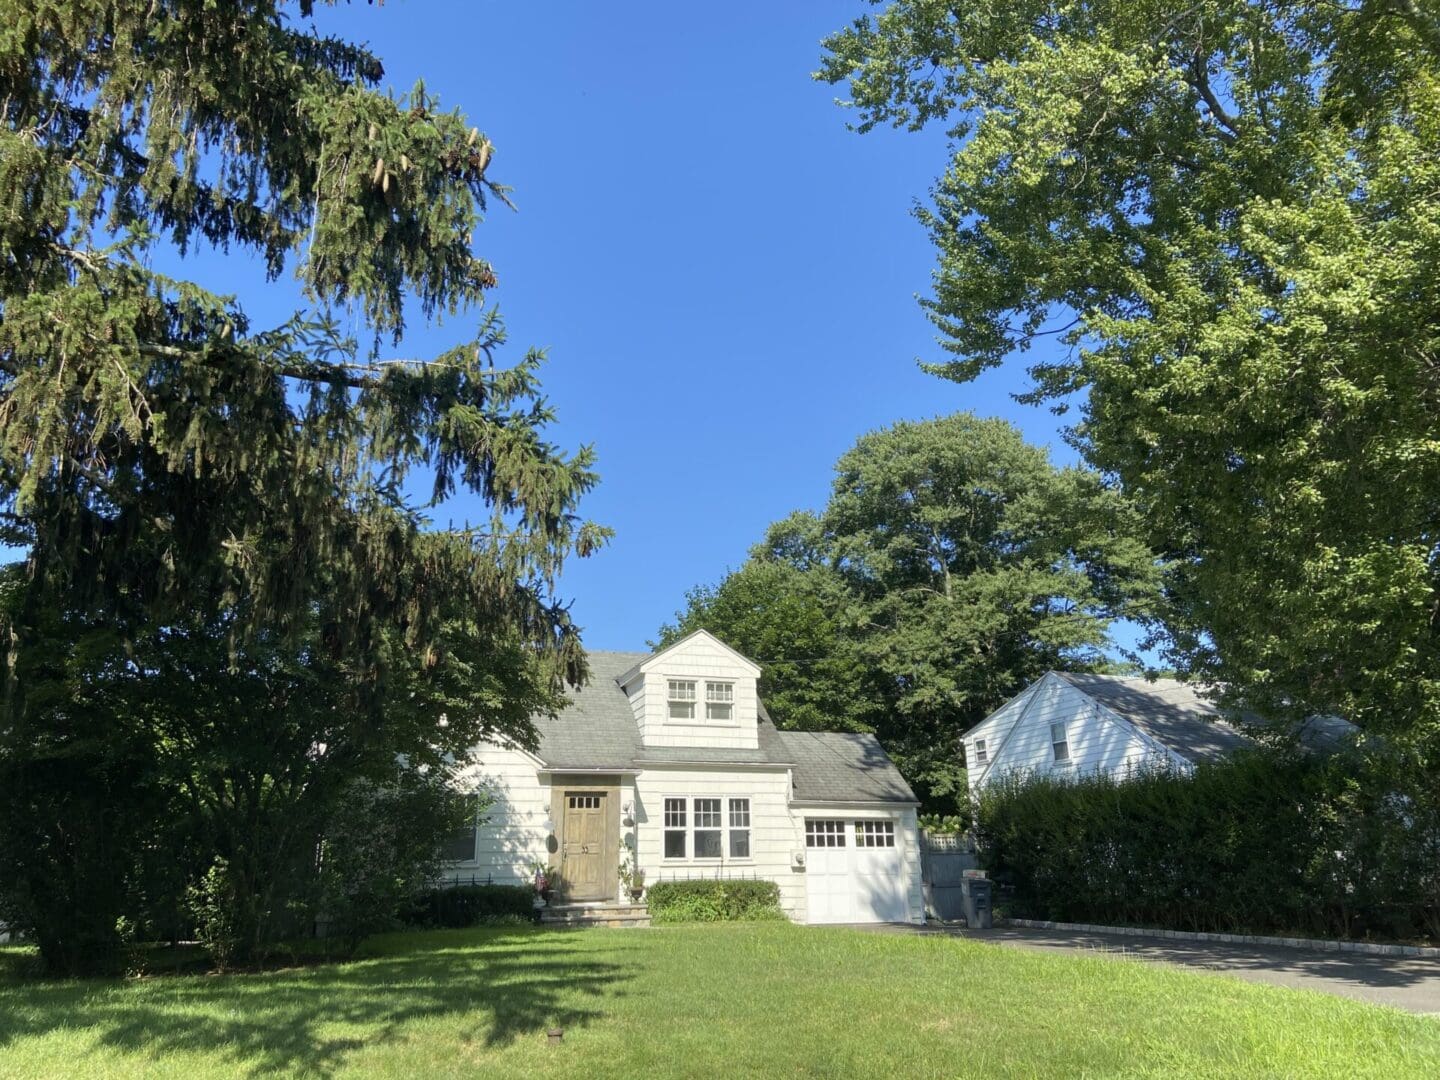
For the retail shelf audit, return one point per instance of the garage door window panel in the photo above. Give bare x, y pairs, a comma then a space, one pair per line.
875, 834
822, 833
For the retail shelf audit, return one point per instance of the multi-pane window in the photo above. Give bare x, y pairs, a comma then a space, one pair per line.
1059, 742
739, 828
982, 755
707, 829
682, 699
674, 828
460, 845
822, 833
584, 802
874, 834
719, 701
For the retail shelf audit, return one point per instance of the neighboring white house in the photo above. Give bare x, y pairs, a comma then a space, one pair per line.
1070, 724
671, 755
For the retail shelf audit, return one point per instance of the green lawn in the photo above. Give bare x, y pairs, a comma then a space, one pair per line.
728, 1000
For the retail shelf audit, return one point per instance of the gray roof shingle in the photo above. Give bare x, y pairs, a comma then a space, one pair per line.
832, 766
597, 731
1174, 713
1181, 716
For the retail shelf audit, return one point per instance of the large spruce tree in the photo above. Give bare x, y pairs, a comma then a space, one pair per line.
1228, 215
178, 474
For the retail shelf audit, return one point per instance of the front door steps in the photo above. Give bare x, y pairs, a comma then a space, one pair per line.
597, 913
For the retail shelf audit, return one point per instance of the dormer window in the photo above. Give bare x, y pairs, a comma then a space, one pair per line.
682, 699
720, 701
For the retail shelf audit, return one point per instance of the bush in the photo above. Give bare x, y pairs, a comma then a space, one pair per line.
713, 901
472, 905
1344, 846
384, 844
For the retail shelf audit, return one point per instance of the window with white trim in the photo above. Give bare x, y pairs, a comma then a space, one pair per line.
461, 845
707, 829
739, 828
682, 699
982, 755
675, 846
823, 833
720, 701
874, 834
1059, 742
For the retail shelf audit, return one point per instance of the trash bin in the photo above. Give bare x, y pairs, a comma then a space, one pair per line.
975, 899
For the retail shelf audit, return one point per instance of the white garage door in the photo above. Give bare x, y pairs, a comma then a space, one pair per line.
852, 872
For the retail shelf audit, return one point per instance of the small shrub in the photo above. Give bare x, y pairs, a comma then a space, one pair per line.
472, 905
714, 901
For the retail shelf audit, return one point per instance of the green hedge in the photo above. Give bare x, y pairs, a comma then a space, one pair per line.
471, 905
1344, 846
713, 901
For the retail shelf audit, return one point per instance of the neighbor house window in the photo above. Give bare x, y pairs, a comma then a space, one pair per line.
674, 828
719, 701
707, 829
682, 699
981, 754
874, 834
820, 833
1058, 742
739, 828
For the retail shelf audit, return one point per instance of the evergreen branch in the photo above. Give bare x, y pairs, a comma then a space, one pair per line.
356, 376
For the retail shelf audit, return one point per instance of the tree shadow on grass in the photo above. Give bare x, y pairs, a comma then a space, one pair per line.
496, 987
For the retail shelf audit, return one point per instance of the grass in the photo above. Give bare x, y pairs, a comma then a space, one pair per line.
722, 1000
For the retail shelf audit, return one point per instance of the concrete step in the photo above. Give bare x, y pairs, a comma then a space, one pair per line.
617, 915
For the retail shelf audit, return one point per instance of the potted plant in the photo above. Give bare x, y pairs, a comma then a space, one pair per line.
541, 882
633, 878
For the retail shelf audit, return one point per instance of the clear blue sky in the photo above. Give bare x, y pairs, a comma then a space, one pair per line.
723, 274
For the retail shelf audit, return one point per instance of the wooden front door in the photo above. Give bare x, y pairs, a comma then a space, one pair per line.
582, 853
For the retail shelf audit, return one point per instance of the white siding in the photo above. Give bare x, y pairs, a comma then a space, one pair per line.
698, 658
1017, 737
512, 837
772, 830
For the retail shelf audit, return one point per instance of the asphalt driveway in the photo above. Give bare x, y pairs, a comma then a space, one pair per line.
1406, 982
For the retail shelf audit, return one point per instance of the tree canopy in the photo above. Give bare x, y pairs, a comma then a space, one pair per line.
951, 566
159, 451
1226, 215
234, 608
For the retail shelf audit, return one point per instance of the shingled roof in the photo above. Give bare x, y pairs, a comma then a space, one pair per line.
832, 766
1174, 713
1183, 718
597, 731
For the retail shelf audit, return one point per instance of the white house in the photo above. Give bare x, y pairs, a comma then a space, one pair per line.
671, 755
1070, 724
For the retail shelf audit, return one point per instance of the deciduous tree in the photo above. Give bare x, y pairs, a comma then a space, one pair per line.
1226, 212
952, 565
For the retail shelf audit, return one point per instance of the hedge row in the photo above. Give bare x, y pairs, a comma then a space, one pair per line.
713, 901
471, 905
1345, 846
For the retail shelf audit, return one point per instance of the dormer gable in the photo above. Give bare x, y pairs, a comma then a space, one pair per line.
697, 692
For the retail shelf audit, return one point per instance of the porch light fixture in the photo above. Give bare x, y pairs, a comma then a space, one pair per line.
629, 815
